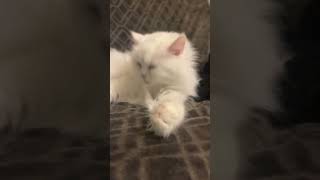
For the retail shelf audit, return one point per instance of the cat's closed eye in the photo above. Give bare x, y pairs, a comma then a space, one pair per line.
139, 64
152, 67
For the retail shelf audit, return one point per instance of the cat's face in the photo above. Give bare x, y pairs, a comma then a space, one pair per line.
158, 53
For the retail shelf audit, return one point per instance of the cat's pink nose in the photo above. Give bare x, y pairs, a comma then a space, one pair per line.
145, 78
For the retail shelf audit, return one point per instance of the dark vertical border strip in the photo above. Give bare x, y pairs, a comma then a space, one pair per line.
106, 19
212, 121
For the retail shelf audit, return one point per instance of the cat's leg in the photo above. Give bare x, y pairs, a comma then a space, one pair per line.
167, 112
114, 95
117, 62
148, 100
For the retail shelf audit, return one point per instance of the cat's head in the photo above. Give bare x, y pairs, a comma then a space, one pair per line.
160, 53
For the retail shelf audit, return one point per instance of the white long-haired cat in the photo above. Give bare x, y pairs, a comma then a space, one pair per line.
159, 73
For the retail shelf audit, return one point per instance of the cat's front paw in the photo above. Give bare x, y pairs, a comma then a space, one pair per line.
166, 117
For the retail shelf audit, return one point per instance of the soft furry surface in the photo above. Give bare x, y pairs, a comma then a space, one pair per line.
140, 15
170, 72
126, 84
174, 72
160, 73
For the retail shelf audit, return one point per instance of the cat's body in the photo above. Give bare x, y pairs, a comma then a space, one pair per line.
126, 82
159, 73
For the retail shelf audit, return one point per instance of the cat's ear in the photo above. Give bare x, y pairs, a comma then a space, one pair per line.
137, 37
177, 47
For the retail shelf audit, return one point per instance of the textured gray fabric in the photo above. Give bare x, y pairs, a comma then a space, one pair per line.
271, 153
51, 154
140, 155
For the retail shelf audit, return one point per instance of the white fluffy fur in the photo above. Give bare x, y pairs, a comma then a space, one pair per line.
126, 84
164, 88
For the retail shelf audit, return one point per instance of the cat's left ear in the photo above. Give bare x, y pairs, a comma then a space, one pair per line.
137, 37
177, 47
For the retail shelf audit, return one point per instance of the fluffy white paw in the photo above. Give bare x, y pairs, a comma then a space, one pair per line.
166, 117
